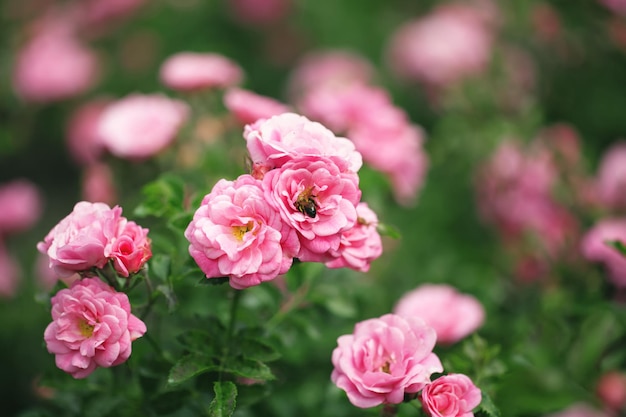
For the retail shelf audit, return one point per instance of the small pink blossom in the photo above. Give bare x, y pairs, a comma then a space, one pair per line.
359, 245
92, 327
10, 273
611, 389
83, 139
235, 233
20, 206
96, 12
595, 247
383, 359
316, 199
248, 107
130, 249
259, 12
452, 314
139, 126
611, 177
274, 141
616, 6
191, 71
98, 184
452, 395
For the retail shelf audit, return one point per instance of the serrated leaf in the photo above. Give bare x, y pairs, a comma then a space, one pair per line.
223, 405
190, 366
257, 349
163, 197
488, 407
248, 368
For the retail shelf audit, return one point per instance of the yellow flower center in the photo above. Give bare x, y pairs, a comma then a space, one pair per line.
386, 368
85, 328
240, 231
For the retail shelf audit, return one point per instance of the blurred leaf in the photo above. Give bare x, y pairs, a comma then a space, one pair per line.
385, 229
169, 294
256, 348
190, 366
163, 197
223, 405
169, 401
248, 368
617, 244
487, 407
160, 266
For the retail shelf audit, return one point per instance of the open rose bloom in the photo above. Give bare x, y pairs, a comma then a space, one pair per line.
453, 395
194, 71
92, 327
383, 359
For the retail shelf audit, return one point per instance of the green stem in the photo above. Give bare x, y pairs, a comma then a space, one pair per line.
232, 319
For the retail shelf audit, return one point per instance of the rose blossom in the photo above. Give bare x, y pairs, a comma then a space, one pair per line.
83, 139
383, 359
77, 243
248, 107
594, 247
98, 183
139, 126
359, 245
236, 233
130, 248
191, 71
579, 410
453, 395
611, 176
452, 314
611, 389
20, 206
616, 6
92, 326
274, 141
315, 198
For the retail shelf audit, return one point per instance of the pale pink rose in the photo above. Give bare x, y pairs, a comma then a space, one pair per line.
383, 359
611, 389
235, 233
191, 71
10, 273
83, 139
316, 199
444, 47
20, 206
248, 107
92, 326
140, 126
452, 395
274, 141
96, 12
594, 247
259, 12
54, 65
611, 177
130, 249
452, 314
77, 243
359, 245
579, 410
98, 184
616, 6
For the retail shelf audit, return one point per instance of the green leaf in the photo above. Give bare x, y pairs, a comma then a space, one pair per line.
163, 197
160, 266
487, 406
248, 368
617, 244
170, 401
190, 366
223, 405
257, 349
170, 296
385, 229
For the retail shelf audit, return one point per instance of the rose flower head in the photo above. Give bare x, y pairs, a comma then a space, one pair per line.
192, 71
453, 395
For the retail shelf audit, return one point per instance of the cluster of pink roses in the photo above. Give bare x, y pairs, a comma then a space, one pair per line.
302, 200
92, 322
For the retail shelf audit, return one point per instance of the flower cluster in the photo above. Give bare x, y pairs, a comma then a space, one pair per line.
301, 200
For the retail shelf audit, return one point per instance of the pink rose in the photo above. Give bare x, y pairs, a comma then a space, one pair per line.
359, 245
236, 233
594, 247
20, 206
139, 126
83, 139
611, 177
316, 199
130, 248
275, 141
77, 243
453, 395
383, 359
190, 71
453, 315
616, 6
10, 273
611, 389
98, 184
248, 107
92, 326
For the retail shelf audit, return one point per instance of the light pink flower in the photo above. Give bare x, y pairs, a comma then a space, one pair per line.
316, 199
453, 395
359, 245
383, 359
191, 71
92, 326
235, 233
77, 243
83, 139
611, 390
10, 273
139, 126
452, 314
248, 107
130, 249
259, 12
96, 12
579, 410
611, 176
444, 47
616, 6
594, 247
54, 65
274, 141
20, 206
97, 184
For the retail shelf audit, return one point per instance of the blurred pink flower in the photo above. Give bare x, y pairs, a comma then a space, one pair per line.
594, 247
316, 199
235, 233
452, 314
20, 206
139, 126
54, 65
616, 6
83, 139
192, 71
452, 42
383, 359
97, 184
10, 273
579, 410
611, 389
274, 141
92, 327
611, 177
452, 395
248, 107
130, 249
97, 12
259, 12
359, 245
